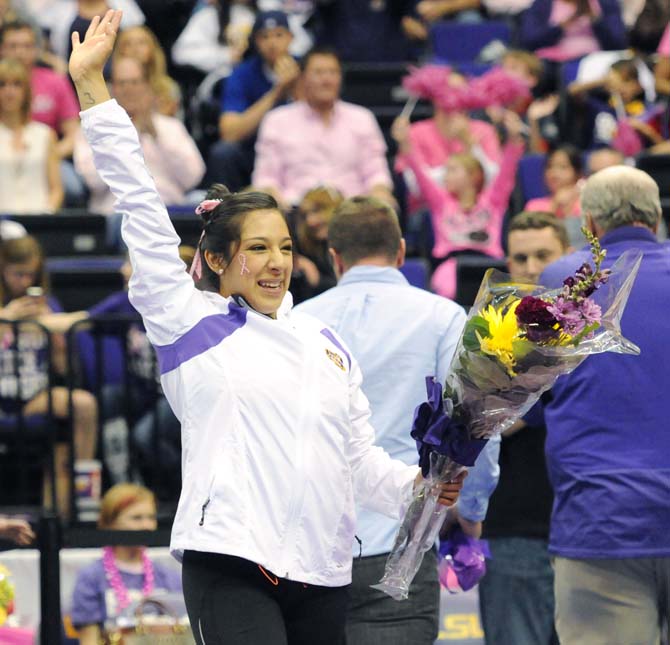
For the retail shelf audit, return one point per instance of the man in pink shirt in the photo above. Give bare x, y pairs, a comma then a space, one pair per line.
321, 140
53, 102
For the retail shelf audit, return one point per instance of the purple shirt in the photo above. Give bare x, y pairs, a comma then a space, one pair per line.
93, 600
607, 423
297, 151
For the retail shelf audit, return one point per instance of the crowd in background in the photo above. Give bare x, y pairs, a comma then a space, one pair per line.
248, 93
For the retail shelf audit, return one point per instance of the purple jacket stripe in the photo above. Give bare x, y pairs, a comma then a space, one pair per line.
329, 335
208, 333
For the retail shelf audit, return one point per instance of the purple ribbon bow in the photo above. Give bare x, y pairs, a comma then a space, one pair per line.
435, 431
463, 558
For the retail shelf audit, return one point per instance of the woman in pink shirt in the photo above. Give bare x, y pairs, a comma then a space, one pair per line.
435, 140
466, 215
563, 178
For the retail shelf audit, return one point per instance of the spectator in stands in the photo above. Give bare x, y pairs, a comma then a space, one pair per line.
434, 140
539, 112
616, 97
8, 12
645, 21
516, 596
300, 21
29, 177
53, 101
22, 267
375, 31
563, 178
561, 30
141, 43
216, 36
312, 267
321, 141
467, 215
16, 530
662, 69
61, 17
169, 151
263, 81
124, 574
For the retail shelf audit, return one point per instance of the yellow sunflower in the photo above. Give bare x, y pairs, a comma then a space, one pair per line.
503, 331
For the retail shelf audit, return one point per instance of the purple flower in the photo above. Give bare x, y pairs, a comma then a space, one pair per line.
534, 317
590, 311
568, 315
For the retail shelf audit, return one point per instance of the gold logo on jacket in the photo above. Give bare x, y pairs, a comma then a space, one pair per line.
336, 358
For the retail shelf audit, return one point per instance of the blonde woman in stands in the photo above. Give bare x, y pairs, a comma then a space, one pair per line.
29, 163
141, 44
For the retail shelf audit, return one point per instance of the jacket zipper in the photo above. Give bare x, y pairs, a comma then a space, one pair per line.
204, 508
207, 501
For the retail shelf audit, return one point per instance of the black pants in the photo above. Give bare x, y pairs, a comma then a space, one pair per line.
231, 601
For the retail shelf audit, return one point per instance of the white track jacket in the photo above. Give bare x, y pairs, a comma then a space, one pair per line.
276, 444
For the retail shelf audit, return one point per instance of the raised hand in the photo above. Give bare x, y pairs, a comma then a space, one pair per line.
88, 58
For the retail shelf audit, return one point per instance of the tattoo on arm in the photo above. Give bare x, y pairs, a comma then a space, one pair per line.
88, 99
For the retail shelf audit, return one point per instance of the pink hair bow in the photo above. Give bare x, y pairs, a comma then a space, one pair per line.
205, 206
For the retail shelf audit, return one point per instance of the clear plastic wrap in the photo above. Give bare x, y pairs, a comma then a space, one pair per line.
518, 339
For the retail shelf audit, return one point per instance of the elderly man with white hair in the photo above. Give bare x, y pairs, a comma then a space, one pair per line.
608, 439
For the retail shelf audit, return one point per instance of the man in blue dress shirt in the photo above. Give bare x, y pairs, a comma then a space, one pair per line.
399, 335
608, 441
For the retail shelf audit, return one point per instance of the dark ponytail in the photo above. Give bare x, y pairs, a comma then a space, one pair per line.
222, 226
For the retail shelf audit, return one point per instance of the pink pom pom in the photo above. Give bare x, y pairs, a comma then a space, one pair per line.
497, 87
428, 81
626, 140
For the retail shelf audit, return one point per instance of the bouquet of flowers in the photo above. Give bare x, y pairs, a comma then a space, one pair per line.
518, 339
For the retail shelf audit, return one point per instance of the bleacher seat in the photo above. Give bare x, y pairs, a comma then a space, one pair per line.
187, 224
79, 283
67, 233
455, 42
417, 272
26, 443
530, 175
470, 270
378, 87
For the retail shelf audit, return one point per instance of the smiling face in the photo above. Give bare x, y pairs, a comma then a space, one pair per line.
560, 173
260, 269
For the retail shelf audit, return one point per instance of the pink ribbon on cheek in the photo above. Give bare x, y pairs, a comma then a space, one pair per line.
243, 261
